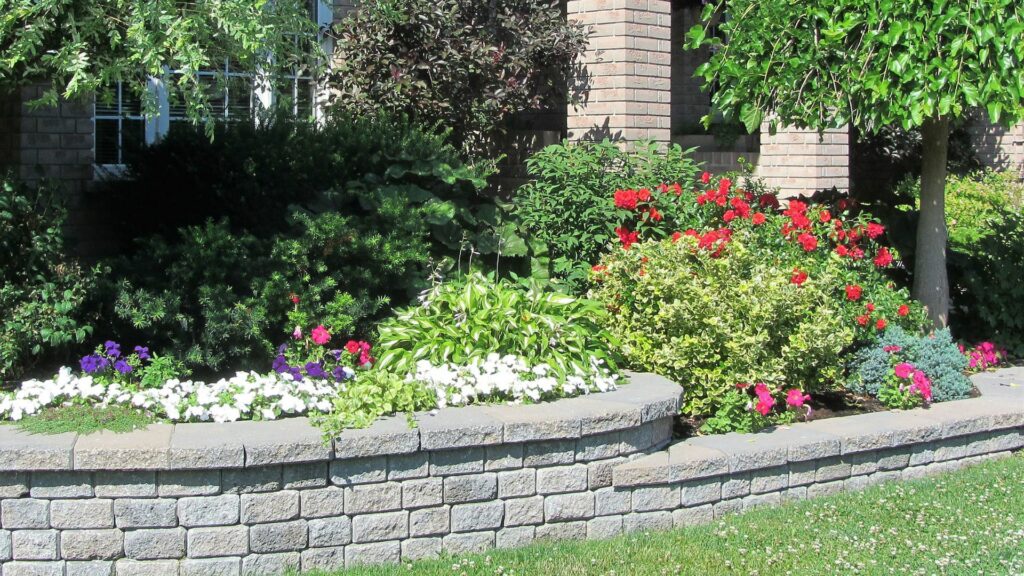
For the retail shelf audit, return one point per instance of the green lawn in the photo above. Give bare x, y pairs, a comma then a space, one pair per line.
968, 522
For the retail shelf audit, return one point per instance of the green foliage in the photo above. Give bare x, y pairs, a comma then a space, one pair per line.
373, 394
734, 415
43, 293
463, 64
468, 319
713, 322
85, 419
568, 207
80, 47
936, 355
824, 64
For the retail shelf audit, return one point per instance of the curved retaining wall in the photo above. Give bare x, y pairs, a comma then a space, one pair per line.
263, 498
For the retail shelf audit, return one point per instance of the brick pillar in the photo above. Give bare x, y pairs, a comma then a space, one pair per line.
802, 162
627, 86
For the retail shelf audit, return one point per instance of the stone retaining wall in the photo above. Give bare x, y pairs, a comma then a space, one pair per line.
263, 498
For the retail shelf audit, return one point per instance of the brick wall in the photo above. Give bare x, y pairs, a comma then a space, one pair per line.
54, 143
801, 162
997, 146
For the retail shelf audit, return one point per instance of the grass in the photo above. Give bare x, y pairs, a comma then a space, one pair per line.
84, 420
967, 522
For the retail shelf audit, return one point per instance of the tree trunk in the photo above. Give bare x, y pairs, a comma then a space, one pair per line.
931, 281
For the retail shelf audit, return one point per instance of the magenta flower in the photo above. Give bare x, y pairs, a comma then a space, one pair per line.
904, 370
797, 398
320, 335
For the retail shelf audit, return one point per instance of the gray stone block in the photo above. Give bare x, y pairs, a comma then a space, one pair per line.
683, 461
211, 567
697, 492
524, 511
503, 457
56, 485
408, 466
33, 568
652, 498
375, 553
421, 493
769, 480
286, 441
975, 415
125, 484
478, 516
468, 542
92, 513
598, 416
34, 544
184, 483
830, 469
693, 516
323, 559
20, 450
251, 480
534, 422
878, 430
638, 439
604, 527
329, 532
157, 544
728, 507
762, 500
647, 521
25, 514
610, 501
271, 507
516, 537
373, 498
473, 488
278, 537
747, 451
462, 427
13, 484
825, 489
894, 459
91, 544
146, 513
857, 483
430, 521
380, 527
452, 462
656, 396
597, 447
89, 568
218, 542
863, 463
208, 511
136, 450
304, 476
550, 453
735, 485
517, 483
205, 445
562, 479
355, 471
802, 473
128, 567
271, 564
599, 474
420, 549
6, 551
562, 531
566, 507
322, 502
794, 494
388, 435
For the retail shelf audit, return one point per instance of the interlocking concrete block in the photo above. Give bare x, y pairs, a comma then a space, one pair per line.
462, 427
183, 483
862, 463
830, 469
561, 479
20, 450
974, 416
430, 521
703, 491
656, 396
305, 476
652, 498
877, 430
91, 513
375, 553
728, 507
373, 498
205, 445
535, 422
825, 489
286, 441
468, 542
329, 532
145, 449
503, 457
423, 492
474, 488
599, 474
388, 435
683, 461
251, 480
218, 542
208, 511
735, 485
146, 512
278, 537
353, 471
896, 459
89, 568
156, 544
549, 453
25, 514
271, 564
517, 483
322, 502
516, 537
6, 551
747, 451
597, 447
380, 527
693, 516
13, 484
33, 568
271, 507
599, 417
611, 501
453, 462
57, 485
211, 567
125, 484
794, 494
34, 544
477, 516
769, 480
91, 544
129, 567
647, 521
604, 527
802, 473
420, 549
524, 511
762, 500
566, 507
323, 559
408, 466
562, 531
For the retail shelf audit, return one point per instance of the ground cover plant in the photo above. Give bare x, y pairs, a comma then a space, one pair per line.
966, 522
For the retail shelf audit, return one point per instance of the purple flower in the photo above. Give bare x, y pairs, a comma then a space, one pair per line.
93, 363
282, 348
112, 349
143, 352
336, 354
296, 373
339, 373
280, 365
315, 370
123, 367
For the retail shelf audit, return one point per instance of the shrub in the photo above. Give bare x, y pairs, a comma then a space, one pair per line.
373, 394
936, 355
463, 64
43, 293
568, 207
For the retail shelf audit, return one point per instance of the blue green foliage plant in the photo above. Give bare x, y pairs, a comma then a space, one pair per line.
937, 355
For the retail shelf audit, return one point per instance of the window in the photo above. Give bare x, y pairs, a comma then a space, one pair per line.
120, 125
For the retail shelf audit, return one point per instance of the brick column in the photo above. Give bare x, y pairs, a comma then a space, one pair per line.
627, 73
802, 162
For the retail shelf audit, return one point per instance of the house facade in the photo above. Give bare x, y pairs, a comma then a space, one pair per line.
638, 85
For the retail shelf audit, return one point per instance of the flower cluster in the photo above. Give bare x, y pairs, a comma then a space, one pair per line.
107, 361
907, 386
984, 356
795, 398
508, 378
311, 357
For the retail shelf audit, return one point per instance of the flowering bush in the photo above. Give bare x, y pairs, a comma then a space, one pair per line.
984, 356
936, 356
749, 408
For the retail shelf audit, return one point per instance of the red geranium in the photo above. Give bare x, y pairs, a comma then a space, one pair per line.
863, 320
705, 177
729, 215
643, 194
676, 236
824, 216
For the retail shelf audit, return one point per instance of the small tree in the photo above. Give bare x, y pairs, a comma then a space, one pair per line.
79, 47
914, 63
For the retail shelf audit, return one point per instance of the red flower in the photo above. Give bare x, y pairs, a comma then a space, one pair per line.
884, 258
796, 207
875, 230
626, 199
352, 347
663, 188
598, 268
729, 215
705, 177
881, 324
842, 250
741, 386
808, 241
724, 185
741, 207
903, 310
643, 194
758, 219
799, 277
863, 320
626, 237
824, 216
691, 232
676, 236
294, 298
853, 293
768, 201
654, 215
870, 307
844, 204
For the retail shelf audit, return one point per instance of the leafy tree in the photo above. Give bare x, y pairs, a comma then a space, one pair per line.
79, 47
872, 63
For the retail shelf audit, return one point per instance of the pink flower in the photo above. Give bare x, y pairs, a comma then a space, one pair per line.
761, 389
297, 333
764, 405
904, 370
892, 349
320, 335
922, 385
797, 398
